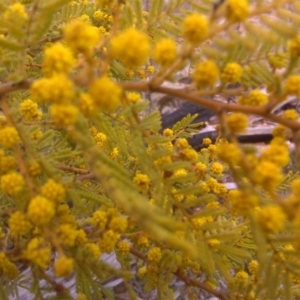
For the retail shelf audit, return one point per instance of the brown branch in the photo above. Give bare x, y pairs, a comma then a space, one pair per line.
187, 280
211, 104
14, 86
73, 169
50, 40
86, 177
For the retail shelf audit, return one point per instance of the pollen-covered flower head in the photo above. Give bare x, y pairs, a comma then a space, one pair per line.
40, 211
206, 74
237, 122
29, 110
106, 94
58, 89
237, 10
58, 58
242, 202
131, 46
63, 115
165, 52
232, 73
271, 218
195, 28
255, 97
81, 36
267, 174
292, 85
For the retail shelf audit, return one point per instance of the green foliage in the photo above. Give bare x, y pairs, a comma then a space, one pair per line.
109, 179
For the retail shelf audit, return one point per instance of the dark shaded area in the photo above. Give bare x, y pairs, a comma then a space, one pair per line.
196, 140
204, 114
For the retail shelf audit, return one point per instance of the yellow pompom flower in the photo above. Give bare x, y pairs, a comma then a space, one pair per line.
109, 241
53, 191
63, 115
142, 272
93, 130
150, 70
237, 10
87, 105
38, 253
99, 219
294, 46
29, 110
182, 143
277, 154
114, 153
129, 73
200, 169
232, 73
281, 131
123, 247
290, 114
141, 74
100, 139
7, 163
237, 122
15, 12
67, 235
81, 36
133, 97
180, 173
131, 47
216, 168
81, 297
93, 250
241, 278
189, 154
9, 269
143, 181
206, 74
229, 153
9, 137
271, 218
19, 224
168, 132
106, 93
34, 168
267, 174
195, 28
58, 89
242, 202
198, 222
63, 266
165, 52
154, 255
253, 267
206, 142
58, 58
254, 98
40, 211
12, 183
118, 224
98, 15
143, 242
292, 85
